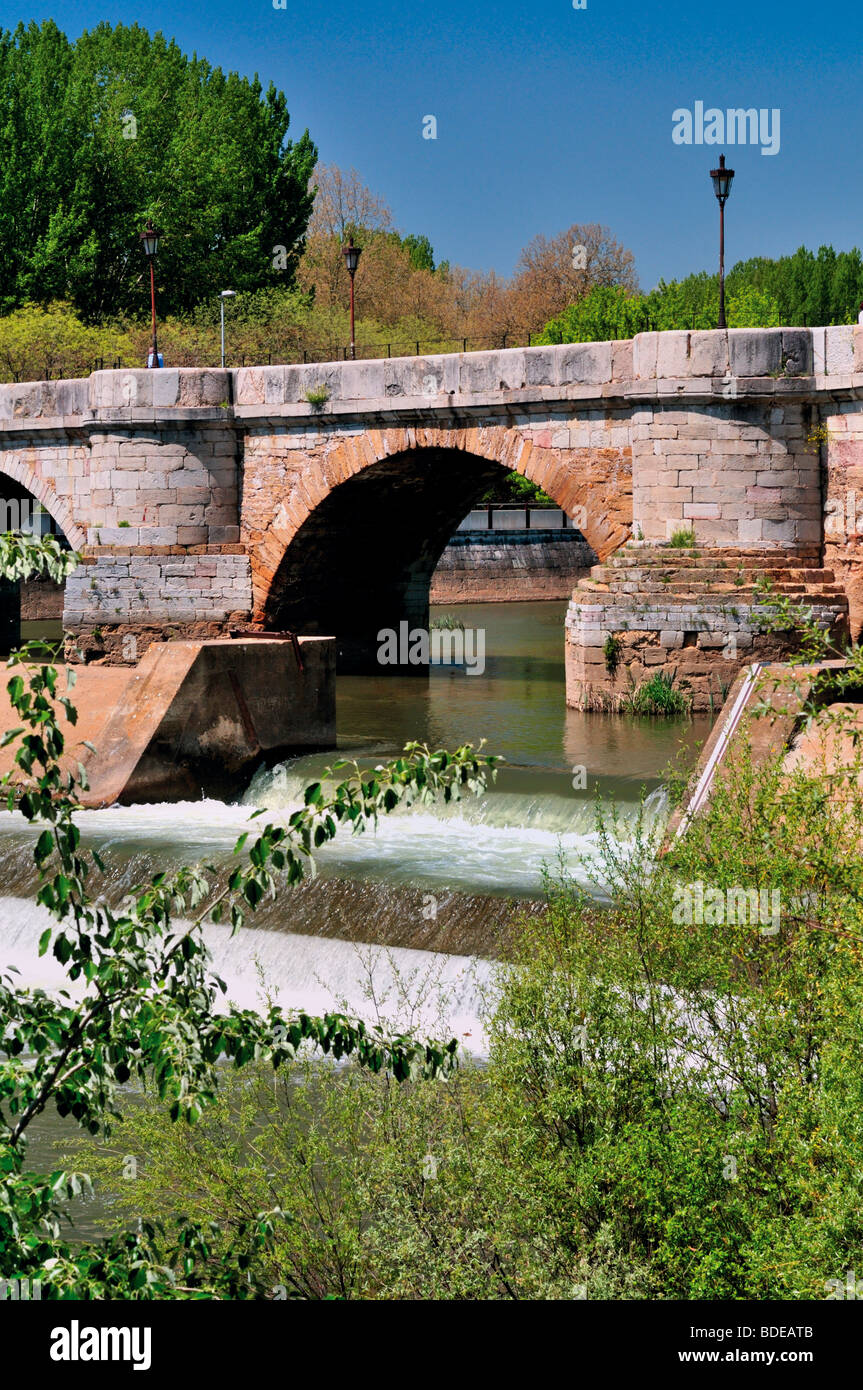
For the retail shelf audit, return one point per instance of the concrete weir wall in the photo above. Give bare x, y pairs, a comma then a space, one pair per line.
207, 500
194, 719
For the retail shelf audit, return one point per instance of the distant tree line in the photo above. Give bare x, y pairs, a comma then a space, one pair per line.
802, 290
99, 134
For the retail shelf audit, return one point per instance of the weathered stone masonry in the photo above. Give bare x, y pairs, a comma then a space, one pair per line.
204, 500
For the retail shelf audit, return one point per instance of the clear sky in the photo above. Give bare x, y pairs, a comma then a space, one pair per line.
548, 115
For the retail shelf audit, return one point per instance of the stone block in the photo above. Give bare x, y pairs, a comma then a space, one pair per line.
708, 353
779, 477
702, 511
797, 351
585, 364
158, 535
840, 349
166, 387
755, 351
673, 355
784, 532
118, 535
191, 535
622, 361
645, 348
172, 515
71, 398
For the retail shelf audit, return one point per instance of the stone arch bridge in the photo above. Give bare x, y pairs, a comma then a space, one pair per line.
204, 500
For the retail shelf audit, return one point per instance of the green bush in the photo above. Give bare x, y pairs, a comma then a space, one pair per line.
74, 1052
611, 650
657, 696
670, 1109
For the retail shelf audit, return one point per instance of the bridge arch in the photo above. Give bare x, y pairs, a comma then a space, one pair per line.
31, 607
28, 479
355, 531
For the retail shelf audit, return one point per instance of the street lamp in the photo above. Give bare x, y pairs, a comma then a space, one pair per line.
722, 187
225, 294
150, 243
351, 254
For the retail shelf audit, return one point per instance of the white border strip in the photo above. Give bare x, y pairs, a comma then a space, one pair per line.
705, 781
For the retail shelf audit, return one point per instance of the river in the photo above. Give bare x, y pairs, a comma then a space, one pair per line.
401, 923
429, 877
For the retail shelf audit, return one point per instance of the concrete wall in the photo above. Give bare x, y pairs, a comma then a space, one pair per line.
192, 719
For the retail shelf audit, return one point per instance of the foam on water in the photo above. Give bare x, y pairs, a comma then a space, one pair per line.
404, 990
500, 843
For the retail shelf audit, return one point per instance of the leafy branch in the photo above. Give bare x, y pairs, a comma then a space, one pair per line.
148, 1005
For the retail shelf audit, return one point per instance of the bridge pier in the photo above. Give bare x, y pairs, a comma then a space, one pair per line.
695, 616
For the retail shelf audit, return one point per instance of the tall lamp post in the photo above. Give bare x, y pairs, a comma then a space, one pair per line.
225, 294
351, 254
150, 243
722, 187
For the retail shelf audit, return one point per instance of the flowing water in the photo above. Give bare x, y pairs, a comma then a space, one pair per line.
416, 909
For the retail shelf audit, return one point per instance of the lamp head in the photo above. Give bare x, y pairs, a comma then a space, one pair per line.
722, 178
351, 254
150, 239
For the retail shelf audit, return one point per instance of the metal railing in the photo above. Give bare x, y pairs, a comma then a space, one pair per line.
297, 355
503, 517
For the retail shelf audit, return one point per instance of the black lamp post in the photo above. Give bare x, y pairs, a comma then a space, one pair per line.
150, 243
351, 254
722, 187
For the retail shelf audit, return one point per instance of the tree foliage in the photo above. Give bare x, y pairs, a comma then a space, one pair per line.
796, 291
99, 134
671, 1109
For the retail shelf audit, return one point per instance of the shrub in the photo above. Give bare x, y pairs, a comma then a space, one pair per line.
611, 650
75, 1051
670, 1109
657, 696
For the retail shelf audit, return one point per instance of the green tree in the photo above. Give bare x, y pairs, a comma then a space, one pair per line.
98, 135
419, 248
798, 291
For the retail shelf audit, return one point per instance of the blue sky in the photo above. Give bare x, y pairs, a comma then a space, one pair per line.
549, 115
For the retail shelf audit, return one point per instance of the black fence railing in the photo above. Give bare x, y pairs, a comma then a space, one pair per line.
288, 357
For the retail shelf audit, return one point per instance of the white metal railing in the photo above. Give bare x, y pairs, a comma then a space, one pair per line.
506, 518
